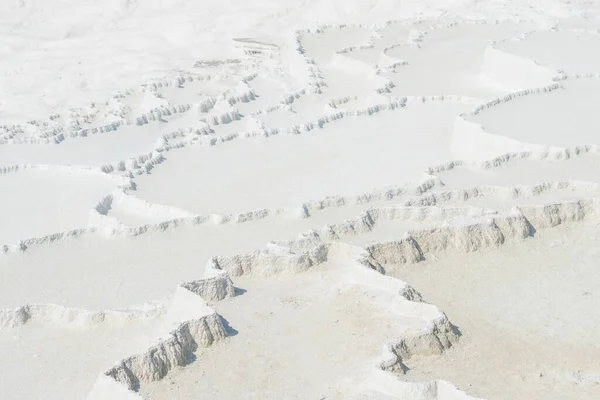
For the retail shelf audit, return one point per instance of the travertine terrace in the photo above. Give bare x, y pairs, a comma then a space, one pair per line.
261, 200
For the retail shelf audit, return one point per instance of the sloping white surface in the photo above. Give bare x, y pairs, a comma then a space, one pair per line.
203, 199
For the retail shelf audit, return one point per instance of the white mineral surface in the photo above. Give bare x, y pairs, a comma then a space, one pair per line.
316, 200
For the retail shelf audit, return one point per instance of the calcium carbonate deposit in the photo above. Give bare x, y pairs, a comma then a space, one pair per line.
326, 199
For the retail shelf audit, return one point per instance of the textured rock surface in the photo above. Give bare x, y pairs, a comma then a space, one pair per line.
167, 188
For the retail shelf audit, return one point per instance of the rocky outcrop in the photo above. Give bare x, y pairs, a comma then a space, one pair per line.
213, 288
272, 261
173, 352
14, 318
402, 251
439, 336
